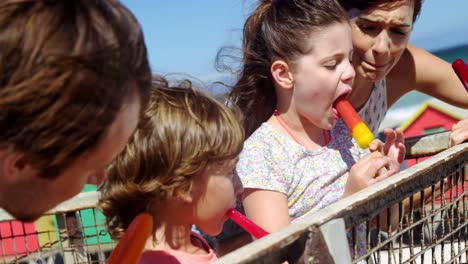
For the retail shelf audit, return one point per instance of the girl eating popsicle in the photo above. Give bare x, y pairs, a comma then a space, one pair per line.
179, 168
295, 66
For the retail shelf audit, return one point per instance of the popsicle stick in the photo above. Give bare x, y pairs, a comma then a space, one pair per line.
246, 224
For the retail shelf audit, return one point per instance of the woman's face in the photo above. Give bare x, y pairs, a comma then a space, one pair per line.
380, 36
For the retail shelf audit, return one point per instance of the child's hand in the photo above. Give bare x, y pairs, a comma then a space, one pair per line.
394, 148
384, 160
459, 132
366, 172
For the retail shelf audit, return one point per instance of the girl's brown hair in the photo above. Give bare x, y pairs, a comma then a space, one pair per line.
275, 30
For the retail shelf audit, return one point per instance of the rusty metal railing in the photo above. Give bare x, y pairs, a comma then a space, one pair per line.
429, 205
73, 232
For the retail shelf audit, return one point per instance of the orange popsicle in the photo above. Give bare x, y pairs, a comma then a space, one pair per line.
359, 131
132, 243
246, 224
461, 69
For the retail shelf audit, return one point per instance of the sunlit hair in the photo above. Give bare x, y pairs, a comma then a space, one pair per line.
182, 132
366, 4
66, 70
275, 30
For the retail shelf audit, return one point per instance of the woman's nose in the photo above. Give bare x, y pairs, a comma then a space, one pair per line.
382, 44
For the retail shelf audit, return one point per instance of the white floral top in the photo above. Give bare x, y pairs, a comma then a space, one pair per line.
310, 179
374, 110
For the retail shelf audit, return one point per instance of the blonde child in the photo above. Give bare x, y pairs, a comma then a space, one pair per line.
179, 167
296, 63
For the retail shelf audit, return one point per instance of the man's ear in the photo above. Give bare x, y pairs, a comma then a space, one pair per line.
13, 165
282, 74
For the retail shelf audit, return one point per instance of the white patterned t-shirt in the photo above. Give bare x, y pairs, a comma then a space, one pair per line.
374, 110
310, 179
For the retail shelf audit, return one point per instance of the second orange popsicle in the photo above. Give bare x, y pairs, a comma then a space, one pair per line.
131, 245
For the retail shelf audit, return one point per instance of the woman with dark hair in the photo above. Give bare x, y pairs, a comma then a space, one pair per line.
387, 67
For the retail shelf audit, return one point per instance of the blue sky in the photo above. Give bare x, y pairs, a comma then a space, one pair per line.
183, 36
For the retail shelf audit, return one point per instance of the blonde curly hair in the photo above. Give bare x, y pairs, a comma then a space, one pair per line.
182, 132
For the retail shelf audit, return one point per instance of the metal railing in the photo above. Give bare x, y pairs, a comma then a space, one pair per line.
428, 201
73, 232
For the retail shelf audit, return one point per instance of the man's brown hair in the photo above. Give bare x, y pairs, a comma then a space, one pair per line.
66, 69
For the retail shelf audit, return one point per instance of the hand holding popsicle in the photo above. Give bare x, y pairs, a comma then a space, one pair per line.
132, 243
246, 224
359, 131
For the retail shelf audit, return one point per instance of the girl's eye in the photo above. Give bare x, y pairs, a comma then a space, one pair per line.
331, 65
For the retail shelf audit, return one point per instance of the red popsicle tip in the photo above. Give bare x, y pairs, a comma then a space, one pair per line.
246, 224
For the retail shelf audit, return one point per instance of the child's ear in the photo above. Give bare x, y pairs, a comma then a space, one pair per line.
282, 74
183, 195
